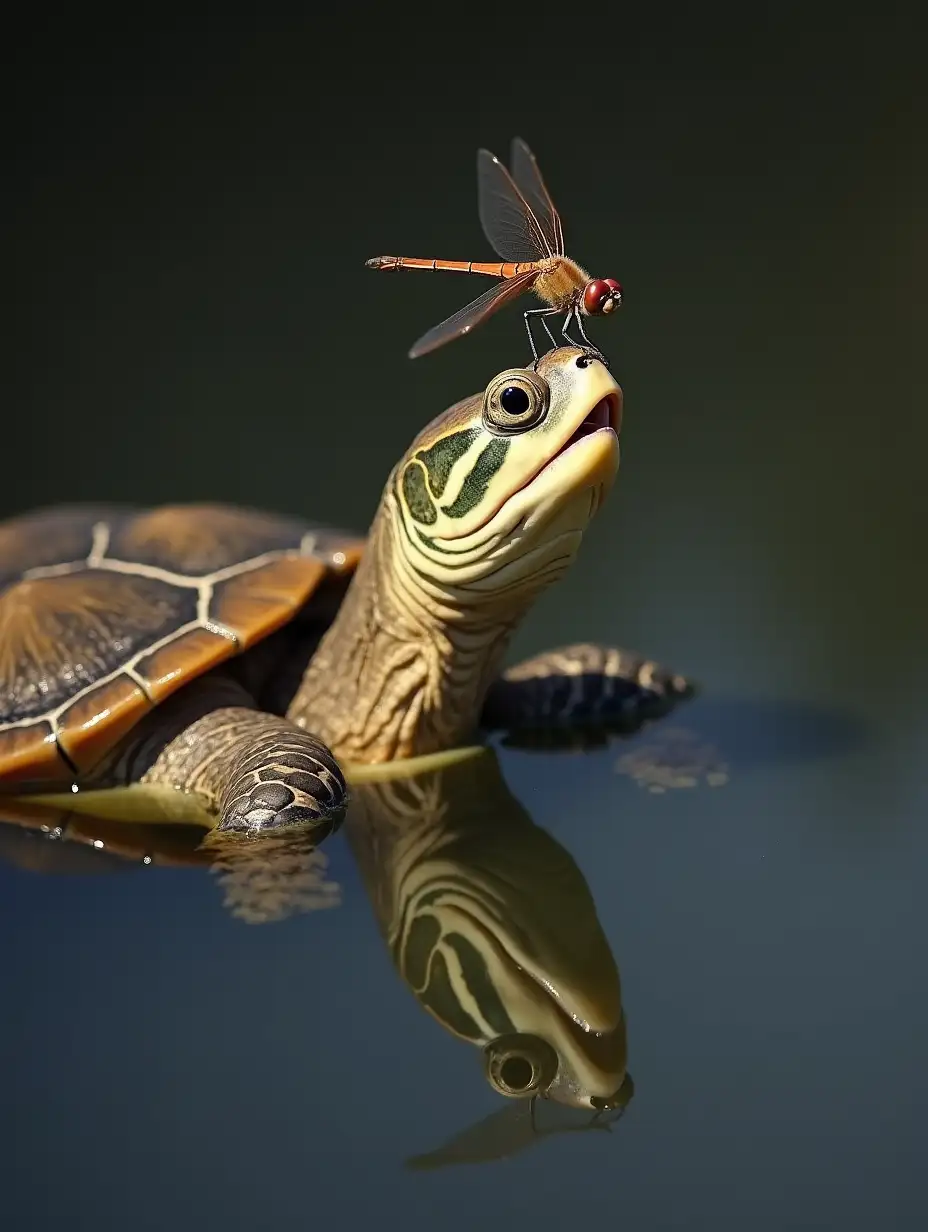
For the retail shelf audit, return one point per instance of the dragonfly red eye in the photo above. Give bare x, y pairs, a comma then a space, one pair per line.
595, 294
602, 295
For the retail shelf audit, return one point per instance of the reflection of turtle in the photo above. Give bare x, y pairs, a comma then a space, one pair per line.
488, 919
121, 632
492, 926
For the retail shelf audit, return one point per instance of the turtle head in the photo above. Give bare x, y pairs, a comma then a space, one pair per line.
485, 510
495, 494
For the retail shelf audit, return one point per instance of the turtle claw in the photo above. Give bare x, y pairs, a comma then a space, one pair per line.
274, 806
285, 780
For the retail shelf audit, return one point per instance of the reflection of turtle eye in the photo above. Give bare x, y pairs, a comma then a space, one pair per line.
517, 1073
519, 1065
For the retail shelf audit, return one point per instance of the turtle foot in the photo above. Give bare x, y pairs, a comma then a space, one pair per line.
285, 779
580, 696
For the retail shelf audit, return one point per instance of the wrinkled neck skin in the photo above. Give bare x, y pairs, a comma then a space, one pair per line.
405, 667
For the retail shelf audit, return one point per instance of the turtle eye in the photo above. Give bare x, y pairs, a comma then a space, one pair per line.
515, 401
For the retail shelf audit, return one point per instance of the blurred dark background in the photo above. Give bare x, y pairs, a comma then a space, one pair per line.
189, 207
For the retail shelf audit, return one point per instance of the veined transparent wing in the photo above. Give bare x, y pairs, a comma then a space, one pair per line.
529, 181
506, 217
464, 320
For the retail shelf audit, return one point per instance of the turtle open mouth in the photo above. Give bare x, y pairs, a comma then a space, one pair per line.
605, 414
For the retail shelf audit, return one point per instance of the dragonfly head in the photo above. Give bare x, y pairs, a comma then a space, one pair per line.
601, 296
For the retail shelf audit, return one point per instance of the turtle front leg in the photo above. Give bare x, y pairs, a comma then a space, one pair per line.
580, 694
259, 772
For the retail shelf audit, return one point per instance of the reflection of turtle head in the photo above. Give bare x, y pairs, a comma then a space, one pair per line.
492, 926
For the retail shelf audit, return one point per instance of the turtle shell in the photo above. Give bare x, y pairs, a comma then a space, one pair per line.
106, 611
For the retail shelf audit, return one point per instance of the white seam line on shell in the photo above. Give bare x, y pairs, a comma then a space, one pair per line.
101, 541
133, 675
55, 714
182, 580
204, 599
46, 571
127, 568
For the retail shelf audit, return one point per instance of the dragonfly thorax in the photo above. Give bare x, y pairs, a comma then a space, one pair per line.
560, 282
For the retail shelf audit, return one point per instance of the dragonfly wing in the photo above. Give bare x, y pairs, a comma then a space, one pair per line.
506, 217
464, 320
529, 181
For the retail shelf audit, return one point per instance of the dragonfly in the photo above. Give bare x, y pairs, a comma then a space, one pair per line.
524, 228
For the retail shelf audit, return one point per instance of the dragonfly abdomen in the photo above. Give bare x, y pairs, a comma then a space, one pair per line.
494, 269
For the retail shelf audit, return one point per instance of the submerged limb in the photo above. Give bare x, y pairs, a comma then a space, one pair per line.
581, 691
257, 771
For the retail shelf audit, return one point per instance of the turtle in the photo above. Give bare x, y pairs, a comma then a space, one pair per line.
245, 660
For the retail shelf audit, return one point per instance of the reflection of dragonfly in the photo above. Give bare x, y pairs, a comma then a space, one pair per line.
524, 228
515, 1128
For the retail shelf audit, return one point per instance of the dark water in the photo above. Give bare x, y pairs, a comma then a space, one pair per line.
194, 322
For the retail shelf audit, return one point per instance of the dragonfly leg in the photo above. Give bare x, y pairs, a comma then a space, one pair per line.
567, 321
544, 321
583, 331
528, 330
543, 313
573, 314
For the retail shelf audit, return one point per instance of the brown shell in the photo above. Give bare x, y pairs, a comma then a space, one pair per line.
106, 611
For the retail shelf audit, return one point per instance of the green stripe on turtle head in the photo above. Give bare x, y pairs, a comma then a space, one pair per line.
474, 487
416, 494
425, 477
440, 459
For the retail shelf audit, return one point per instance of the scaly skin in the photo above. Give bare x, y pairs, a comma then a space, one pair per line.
257, 770
485, 510
474, 523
